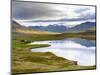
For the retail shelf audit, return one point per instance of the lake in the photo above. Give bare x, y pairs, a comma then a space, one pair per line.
80, 50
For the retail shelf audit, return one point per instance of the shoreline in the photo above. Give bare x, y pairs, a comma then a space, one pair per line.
52, 58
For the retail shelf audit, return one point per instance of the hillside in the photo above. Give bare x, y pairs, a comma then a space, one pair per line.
17, 28
15, 25
87, 34
83, 27
91, 31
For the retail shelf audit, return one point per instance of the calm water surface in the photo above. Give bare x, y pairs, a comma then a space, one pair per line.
76, 49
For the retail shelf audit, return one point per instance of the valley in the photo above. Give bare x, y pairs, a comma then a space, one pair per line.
25, 61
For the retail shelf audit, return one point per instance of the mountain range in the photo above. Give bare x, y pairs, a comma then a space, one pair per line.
61, 28
22, 30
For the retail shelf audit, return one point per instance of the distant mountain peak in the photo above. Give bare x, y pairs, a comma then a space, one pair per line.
62, 28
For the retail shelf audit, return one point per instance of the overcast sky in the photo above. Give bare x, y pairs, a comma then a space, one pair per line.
28, 13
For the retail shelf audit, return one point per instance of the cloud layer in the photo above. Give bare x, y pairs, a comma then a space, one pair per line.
43, 12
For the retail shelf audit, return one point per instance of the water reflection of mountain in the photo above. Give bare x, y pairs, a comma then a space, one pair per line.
84, 42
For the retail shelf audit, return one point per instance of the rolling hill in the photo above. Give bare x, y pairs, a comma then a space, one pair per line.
86, 34
17, 28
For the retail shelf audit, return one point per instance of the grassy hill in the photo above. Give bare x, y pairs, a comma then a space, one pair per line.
88, 34
26, 31
17, 28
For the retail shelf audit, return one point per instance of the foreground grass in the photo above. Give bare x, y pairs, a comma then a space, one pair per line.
25, 61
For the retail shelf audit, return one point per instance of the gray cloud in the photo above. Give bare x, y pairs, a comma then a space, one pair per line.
81, 10
28, 10
88, 16
82, 17
23, 10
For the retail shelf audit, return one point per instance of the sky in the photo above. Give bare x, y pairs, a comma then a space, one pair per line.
44, 14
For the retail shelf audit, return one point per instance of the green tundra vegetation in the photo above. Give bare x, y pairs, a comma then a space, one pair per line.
25, 61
